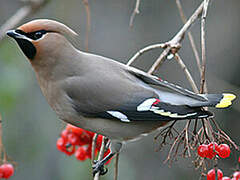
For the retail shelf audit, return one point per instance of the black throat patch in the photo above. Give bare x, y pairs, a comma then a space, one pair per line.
27, 47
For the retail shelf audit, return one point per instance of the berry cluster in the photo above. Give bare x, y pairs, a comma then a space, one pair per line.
213, 149
78, 141
211, 175
6, 170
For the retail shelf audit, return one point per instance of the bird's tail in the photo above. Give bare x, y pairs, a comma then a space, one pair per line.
220, 100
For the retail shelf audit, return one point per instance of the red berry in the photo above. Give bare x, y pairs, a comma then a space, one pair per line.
73, 139
90, 133
211, 174
64, 134
81, 154
236, 174
239, 159
74, 129
226, 178
99, 142
212, 150
89, 151
223, 150
61, 145
203, 150
70, 150
85, 138
1, 172
7, 170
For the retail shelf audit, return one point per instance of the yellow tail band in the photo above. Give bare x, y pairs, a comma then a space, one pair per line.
226, 100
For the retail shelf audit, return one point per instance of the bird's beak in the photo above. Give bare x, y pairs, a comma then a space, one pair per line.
16, 35
13, 34
24, 42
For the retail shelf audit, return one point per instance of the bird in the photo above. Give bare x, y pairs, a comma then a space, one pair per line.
102, 95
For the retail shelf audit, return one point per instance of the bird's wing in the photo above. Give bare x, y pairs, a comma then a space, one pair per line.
149, 79
152, 110
125, 99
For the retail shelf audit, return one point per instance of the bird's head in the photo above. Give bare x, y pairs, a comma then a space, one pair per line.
41, 38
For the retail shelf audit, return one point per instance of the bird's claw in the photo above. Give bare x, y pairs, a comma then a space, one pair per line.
99, 167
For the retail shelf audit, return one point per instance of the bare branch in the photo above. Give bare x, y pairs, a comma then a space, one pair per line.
116, 167
100, 156
224, 135
31, 7
88, 27
94, 147
190, 36
187, 147
142, 51
135, 11
15, 19
187, 73
171, 46
179, 36
159, 61
203, 44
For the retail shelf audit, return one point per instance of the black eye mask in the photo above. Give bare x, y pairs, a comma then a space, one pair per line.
27, 46
32, 35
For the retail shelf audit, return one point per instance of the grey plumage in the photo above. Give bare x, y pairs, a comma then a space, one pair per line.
102, 95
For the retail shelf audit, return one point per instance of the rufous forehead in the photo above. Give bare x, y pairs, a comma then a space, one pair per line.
31, 27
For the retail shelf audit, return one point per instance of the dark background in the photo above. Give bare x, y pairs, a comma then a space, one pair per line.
30, 127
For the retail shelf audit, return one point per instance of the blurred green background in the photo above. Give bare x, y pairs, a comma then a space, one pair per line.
30, 127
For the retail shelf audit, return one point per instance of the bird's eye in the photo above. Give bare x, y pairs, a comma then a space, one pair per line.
38, 35
35, 35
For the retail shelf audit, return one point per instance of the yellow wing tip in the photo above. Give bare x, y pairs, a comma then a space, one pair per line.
229, 96
226, 100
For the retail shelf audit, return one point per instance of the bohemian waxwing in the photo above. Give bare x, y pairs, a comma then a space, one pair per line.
102, 95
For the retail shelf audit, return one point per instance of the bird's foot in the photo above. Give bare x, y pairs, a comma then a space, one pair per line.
99, 167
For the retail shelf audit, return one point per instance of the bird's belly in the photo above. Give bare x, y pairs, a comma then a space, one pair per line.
117, 130
62, 104
114, 129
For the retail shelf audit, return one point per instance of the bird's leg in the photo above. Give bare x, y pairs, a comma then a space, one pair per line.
99, 165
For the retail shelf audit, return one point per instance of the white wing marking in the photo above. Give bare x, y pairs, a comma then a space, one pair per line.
119, 115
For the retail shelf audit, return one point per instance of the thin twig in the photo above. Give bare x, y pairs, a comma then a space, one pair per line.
116, 166
165, 132
94, 147
186, 138
203, 44
210, 129
142, 51
203, 86
31, 7
173, 45
187, 73
179, 36
159, 61
205, 130
135, 11
100, 156
177, 143
14, 20
88, 27
190, 36
224, 134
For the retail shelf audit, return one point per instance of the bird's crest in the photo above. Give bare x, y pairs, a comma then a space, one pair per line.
48, 25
